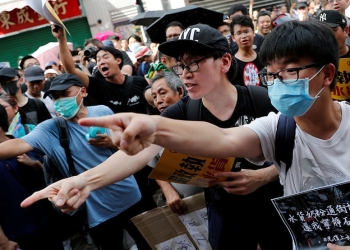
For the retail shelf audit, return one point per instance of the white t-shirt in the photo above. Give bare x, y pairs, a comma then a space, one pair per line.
315, 162
47, 101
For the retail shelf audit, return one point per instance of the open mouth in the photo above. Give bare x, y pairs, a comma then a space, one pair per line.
104, 69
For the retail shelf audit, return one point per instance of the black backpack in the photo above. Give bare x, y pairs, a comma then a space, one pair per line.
53, 173
260, 101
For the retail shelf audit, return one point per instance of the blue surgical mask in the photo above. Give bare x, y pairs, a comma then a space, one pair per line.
67, 107
292, 97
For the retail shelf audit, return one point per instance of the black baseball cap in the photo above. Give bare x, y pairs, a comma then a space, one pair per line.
9, 72
63, 82
34, 73
332, 18
199, 36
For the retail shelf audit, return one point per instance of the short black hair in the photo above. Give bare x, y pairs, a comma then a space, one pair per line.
222, 24
23, 59
215, 53
116, 53
237, 7
244, 21
4, 123
175, 24
136, 37
263, 13
94, 41
291, 40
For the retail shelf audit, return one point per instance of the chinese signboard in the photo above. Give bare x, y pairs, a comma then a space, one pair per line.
20, 19
317, 217
198, 171
342, 88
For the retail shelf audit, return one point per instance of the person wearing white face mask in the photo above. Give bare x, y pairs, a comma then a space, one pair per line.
108, 211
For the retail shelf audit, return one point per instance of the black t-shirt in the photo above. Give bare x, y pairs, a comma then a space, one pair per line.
258, 40
36, 111
113, 96
242, 114
247, 72
347, 55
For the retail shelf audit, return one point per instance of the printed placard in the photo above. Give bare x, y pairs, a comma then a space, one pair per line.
318, 216
342, 87
184, 169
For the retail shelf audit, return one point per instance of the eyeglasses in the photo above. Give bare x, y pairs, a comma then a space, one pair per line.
32, 64
267, 78
172, 36
192, 67
244, 32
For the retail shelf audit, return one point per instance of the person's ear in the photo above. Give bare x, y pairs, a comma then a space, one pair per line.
226, 62
329, 73
180, 91
84, 92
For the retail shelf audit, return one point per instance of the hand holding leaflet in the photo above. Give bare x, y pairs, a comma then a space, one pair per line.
43, 8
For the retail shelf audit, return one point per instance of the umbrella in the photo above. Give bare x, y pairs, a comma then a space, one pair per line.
48, 52
188, 15
147, 18
105, 34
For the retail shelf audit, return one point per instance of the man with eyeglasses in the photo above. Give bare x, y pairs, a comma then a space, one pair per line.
239, 208
239, 9
300, 77
248, 61
173, 30
28, 61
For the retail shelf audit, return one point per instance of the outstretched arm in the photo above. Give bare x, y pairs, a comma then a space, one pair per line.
66, 56
134, 132
12, 148
68, 194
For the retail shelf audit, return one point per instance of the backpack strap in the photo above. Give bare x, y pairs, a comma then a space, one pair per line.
127, 88
64, 140
260, 100
284, 141
143, 68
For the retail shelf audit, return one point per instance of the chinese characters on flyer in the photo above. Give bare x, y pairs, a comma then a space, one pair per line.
317, 217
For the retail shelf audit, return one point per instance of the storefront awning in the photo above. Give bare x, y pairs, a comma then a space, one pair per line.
8, 5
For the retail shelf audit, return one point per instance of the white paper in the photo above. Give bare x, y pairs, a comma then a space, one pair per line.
43, 8
179, 242
196, 224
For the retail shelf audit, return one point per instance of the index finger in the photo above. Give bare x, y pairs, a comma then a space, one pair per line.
109, 121
36, 196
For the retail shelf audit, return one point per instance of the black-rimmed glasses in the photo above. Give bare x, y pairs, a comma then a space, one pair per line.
192, 67
267, 78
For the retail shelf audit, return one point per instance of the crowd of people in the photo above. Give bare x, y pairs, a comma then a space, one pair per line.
240, 78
